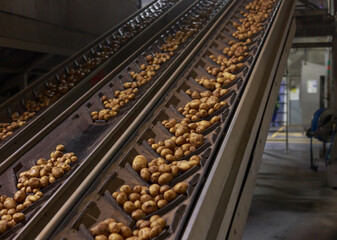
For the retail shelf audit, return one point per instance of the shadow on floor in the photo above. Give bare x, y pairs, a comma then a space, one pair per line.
290, 201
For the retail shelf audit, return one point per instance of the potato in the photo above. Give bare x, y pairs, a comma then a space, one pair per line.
162, 203
164, 168
134, 197
137, 189
11, 223
137, 214
126, 232
154, 190
114, 227
115, 236
153, 169
164, 188
34, 183
145, 174
154, 177
121, 198
10, 203
19, 217
145, 197
101, 237
180, 188
159, 222
44, 181
181, 130
138, 204
149, 207
126, 189
57, 172
144, 233
11, 211
139, 162
6, 218
101, 228
129, 207
155, 231
165, 178
170, 195
3, 226
109, 220
175, 171
20, 208
196, 139
144, 224
184, 166
20, 196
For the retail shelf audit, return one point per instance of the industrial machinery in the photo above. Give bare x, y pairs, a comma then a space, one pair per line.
198, 96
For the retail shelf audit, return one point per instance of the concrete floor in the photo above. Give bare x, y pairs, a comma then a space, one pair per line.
290, 200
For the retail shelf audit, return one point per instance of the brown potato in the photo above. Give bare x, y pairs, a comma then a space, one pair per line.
121, 198
115, 236
153, 169
164, 188
159, 222
114, 227
126, 232
155, 231
149, 207
20, 208
126, 189
145, 174
154, 177
57, 172
154, 189
180, 188
101, 237
109, 220
100, 229
19, 217
11, 211
145, 197
139, 162
6, 218
137, 189
137, 204
164, 168
129, 207
3, 226
137, 214
10, 203
162, 203
144, 224
34, 183
134, 197
144, 233
165, 178
170, 195
11, 223
20, 196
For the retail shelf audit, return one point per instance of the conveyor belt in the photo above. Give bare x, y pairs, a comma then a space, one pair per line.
97, 204
88, 139
79, 73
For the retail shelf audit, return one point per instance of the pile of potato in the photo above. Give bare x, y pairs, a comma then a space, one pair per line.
29, 184
112, 230
17, 120
140, 201
154, 62
197, 109
158, 172
178, 146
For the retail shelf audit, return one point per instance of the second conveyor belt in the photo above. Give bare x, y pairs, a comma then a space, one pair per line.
90, 140
97, 204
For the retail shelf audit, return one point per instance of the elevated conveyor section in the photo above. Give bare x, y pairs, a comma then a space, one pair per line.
88, 138
227, 139
28, 112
